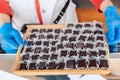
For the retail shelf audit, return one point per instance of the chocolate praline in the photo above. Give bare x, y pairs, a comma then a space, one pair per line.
89, 45
80, 45
72, 39
70, 64
37, 49
98, 25
23, 66
54, 56
35, 57
32, 66
38, 43
30, 43
61, 65
103, 64
79, 26
82, 38
82, 63
64, 52
82, 53
72, 53
34, 30
60, 46
52, 65
45, 56
32, 36
46, 50
57, 31
42, 65
92, 63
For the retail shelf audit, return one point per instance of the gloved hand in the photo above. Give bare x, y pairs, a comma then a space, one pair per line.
113, 25
10, 38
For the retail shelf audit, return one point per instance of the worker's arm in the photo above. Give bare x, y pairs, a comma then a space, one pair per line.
4, 18
10, 37
5, 12
112, 20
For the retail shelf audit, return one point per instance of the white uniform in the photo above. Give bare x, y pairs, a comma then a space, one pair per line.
24, 12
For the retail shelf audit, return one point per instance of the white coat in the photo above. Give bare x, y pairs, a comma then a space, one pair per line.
24, 12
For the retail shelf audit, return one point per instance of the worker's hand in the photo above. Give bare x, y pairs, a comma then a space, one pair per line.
10, 38
113, 25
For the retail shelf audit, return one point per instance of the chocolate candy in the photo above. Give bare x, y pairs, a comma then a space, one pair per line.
98, 25
41, 36
60, 46
23, 66
34, 30
82, 54
45, 56
87, 31
64, 53
98, 32
76, 32
46, 43
93, 54
25, 57
37, 49
87, 25
50, 30
32, 66
42, 30
100, 38
92, 63
99, 44
63, 38
80, 45
68, 31
32, 36
91, 38
103, 64
57, 31
61, 65
89, 45
35, 57
52, 65
42, 65
82, 38
49, 36
70, 45
46, 50
54, 56
79, 26
70, 64
70, 25
28, 49
82, 63
53, 49
72, 38
72, 53
54, 42
102, 52
30, 43
38, 43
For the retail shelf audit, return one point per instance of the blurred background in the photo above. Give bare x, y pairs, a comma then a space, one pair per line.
87, 4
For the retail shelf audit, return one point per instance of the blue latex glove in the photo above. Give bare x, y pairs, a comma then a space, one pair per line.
10, 38
113, 25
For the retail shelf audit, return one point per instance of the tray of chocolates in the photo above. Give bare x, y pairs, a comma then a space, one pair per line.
63, 49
